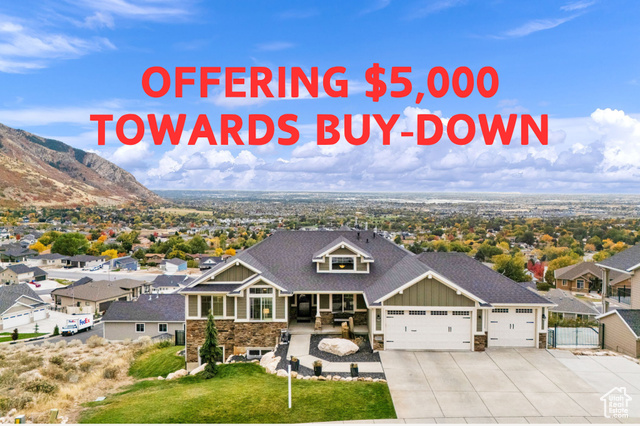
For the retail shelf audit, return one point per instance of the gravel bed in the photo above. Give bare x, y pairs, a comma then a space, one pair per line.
365, 354
282, 351
309, 372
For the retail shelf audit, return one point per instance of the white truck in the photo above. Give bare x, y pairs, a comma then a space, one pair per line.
77, 324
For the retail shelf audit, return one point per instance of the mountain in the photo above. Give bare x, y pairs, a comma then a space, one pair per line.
36, 171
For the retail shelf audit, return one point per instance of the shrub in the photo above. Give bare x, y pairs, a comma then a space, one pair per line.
74, 343
543, 286
61, 344
110, 373
55, 372
96, 341
40, 386
18, 402
15, 335
57, 360
85, 366
56, 331
164, 344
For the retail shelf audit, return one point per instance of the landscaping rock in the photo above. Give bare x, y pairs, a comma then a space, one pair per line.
281, 373
314, 378
335, 378
340, 347
322, 379
294, 374
198, 370
270, 362
177, 374
160, 378
383, 381
348, 379
368, 379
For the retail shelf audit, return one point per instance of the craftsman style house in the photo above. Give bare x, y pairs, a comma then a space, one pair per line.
440, 301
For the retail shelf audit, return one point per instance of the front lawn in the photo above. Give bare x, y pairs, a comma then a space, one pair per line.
242, 393
6, 337
157, 362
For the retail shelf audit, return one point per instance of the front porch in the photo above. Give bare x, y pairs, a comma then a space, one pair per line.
298, 328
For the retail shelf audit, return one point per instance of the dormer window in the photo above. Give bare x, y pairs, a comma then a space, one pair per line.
342, 263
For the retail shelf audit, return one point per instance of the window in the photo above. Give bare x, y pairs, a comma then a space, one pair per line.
479, 324
342, 263
342, 302
255, 353
193, 306
524, 311
580, 283
378, 320
500, 311
439, 313
564, 283
417, 312
395, 312
163, 328
261, 303
462, 313
139, 328
205, 306
218, 306
87, 303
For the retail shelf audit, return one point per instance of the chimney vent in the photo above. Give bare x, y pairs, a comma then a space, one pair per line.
367, 240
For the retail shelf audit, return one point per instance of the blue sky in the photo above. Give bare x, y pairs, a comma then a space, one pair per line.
575, 60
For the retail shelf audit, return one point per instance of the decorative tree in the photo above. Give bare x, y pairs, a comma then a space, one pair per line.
210, 352
56, 330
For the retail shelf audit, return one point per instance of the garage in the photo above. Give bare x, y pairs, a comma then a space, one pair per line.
421, 329
15, 320
512, 327
39, 314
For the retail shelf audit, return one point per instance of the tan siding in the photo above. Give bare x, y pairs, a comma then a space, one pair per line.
325, 266
342, 251
429, 293
242, 307
193, 305
618, 337
237, 273
230, 306
324, 301
127, 330
635, 291
18, 308
360, 265
280, 305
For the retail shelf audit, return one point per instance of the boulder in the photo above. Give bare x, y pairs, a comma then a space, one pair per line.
294, 374
198, 369
160, 378
177, 374
322, 378
336, 378
270, 362
281, 373
340, 347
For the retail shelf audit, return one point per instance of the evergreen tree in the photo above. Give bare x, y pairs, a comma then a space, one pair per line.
56, 330
15, 335
210, 352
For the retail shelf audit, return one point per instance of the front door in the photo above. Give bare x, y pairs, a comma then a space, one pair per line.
337, 302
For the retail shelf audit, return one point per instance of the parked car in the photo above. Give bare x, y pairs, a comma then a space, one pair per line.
38, 285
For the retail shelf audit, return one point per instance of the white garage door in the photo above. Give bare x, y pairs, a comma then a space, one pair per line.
512, 327
40, 314
421, 329
13, 320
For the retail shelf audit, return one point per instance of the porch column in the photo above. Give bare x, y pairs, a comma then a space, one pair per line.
317, 305
605, 283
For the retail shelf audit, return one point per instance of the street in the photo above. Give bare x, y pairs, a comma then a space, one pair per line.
83, 336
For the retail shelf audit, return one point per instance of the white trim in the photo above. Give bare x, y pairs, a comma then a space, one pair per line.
520, 305
616, 269
615, 311
342, 271
163, 323
213, 274
342, 244
256, 279
439, 278
144, 327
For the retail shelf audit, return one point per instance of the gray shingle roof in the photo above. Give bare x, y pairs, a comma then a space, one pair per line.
285, 258
632, 318
9, 294
625, 260
227, 288
20, 268
567, 303
94, 290
171, 281
160, 307
174, 261
86, 258
51, 256
572, 272
478, 279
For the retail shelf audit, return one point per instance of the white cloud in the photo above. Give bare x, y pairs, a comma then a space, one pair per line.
537, 25
275, 46
577, 5
131, 156
146, 10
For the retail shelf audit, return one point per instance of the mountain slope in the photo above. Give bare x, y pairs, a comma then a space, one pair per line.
45, 172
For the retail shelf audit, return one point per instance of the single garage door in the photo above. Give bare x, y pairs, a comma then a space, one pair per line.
14, 320
512, 327
417, 329
40, 314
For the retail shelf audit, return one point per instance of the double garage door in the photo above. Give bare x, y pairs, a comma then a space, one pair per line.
11, 321
418, 329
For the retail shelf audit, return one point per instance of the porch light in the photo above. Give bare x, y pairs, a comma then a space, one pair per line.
265, 311
429, 276
341, 266
458, 292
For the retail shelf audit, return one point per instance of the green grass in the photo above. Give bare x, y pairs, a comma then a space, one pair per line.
242, 393
6, 337
157, 362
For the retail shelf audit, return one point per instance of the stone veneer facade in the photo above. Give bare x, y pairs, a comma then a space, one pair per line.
542, 340
480, 342
359, 318
234, 336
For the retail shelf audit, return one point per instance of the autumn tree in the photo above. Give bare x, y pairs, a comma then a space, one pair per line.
38, 246
70, 244
112, 254
511, 266
558, 263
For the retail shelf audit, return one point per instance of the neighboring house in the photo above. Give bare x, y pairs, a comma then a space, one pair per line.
20, 305
577, 277
16, 255
21, 273
621, 330
96, 296
431, 301
171, 266
154, 258
626, 262
28, 240
569, 307
127, 263
53, 260
169, 283
85, 261
209, 262
153, 315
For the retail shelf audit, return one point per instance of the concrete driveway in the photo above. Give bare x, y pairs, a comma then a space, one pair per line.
506, 386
